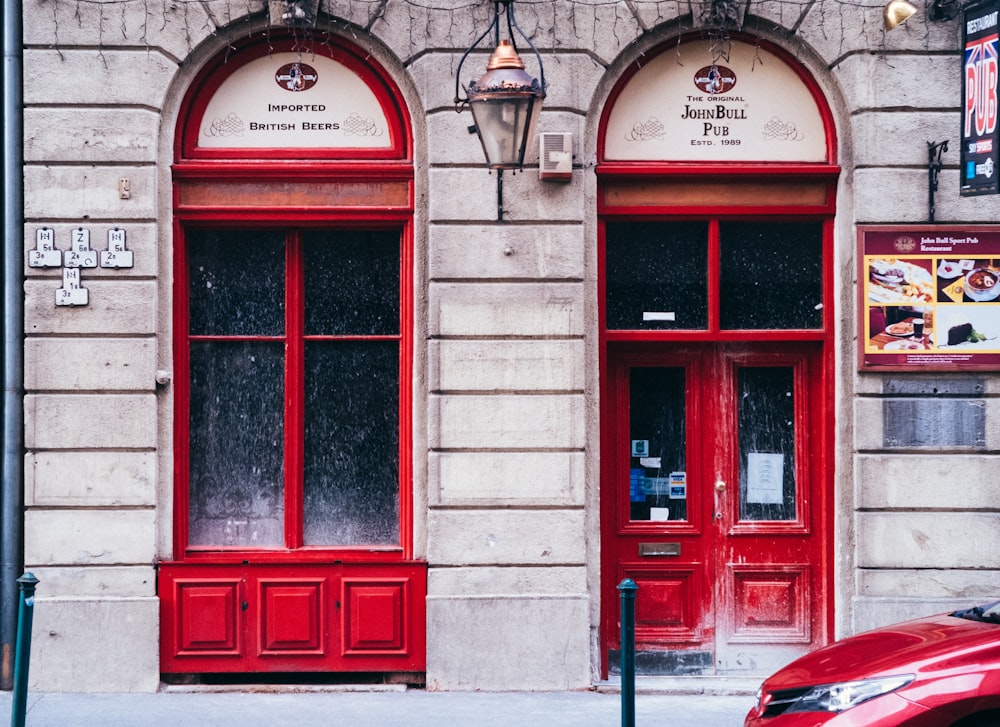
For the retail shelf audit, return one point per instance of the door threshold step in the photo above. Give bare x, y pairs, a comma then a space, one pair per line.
258, 688
719, 686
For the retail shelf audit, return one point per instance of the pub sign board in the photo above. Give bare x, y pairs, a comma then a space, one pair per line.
929, 297
680, 105
980, 152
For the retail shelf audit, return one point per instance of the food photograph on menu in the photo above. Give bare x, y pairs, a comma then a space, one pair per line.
930, 297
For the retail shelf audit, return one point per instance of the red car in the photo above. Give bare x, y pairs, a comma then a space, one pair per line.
940, 671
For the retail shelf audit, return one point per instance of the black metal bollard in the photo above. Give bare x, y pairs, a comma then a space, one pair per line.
22, 656
628, 588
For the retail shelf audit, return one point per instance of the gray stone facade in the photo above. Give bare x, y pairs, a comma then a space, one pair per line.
506, 378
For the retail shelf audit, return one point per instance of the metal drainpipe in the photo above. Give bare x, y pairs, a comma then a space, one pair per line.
12, 464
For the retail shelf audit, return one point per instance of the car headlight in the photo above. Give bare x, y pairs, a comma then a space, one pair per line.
844, 695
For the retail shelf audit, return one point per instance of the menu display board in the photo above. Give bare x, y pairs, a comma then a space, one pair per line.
929, 297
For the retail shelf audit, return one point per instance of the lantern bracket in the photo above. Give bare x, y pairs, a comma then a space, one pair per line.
934, 164
494, 28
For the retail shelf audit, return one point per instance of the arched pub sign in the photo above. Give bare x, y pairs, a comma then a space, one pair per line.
292, 343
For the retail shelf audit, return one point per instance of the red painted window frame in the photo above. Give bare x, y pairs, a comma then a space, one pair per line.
293, 384
625, 341
301, 166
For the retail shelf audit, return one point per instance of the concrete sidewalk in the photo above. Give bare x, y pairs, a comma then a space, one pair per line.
376, 706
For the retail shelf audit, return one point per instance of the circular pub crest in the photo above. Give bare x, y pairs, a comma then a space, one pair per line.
296, 77
905, 244
714, 79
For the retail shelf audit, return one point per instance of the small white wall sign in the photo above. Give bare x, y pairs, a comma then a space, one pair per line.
45, 254
80, 255
116, 256
71, 292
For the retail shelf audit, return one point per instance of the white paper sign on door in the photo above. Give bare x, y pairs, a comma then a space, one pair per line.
765, 478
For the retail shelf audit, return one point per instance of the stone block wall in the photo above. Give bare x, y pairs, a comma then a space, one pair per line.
910, 538
92, 425
507, 388
926, 517
507, 429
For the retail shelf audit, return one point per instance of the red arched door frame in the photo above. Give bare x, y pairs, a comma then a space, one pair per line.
719, 583
308, 220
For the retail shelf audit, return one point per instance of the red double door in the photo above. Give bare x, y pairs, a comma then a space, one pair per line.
714, 504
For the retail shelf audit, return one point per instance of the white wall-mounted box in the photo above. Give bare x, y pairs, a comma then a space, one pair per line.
555, 156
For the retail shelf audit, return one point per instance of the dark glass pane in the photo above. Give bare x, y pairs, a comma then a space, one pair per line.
352, 443
657, 275
766, 421
237, 280
237, 444
657, 477
771, 275
352, 282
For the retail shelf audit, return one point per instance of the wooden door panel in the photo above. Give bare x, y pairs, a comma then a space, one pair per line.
668, 612
206, 618
328, 617
771, 604
292, 616
374, 616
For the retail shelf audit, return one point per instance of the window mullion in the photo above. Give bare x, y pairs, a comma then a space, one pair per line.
714, 294
294, 389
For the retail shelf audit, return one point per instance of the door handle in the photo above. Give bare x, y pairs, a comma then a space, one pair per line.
720, 487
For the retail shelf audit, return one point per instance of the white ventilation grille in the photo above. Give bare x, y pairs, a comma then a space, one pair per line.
555, 155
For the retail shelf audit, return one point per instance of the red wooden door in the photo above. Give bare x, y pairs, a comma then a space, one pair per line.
713, 501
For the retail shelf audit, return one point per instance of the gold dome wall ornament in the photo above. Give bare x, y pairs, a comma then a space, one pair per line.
896, 12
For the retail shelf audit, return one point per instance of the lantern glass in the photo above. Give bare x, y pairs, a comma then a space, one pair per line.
505, 122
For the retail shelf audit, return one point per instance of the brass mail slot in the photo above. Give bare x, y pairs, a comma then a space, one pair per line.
659, 548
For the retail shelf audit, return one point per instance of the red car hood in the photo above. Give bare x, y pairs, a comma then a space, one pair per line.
923, 645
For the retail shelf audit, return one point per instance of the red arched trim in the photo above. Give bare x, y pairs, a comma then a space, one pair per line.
255, 46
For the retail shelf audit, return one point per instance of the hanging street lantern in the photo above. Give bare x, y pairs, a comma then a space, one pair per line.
505, 102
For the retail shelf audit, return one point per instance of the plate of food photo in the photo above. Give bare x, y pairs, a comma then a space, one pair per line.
900, 330
968, 327
982, 284
891, 280
950, 269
